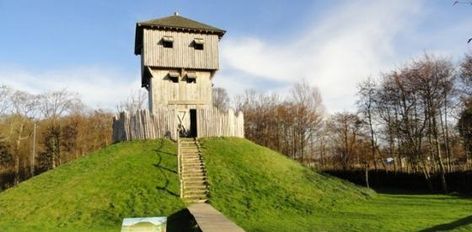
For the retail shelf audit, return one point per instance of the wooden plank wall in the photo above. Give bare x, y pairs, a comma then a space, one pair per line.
143, 125
163, 123
164, 90
212, 122
183, 54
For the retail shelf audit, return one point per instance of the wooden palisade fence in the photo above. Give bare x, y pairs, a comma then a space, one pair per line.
163, 123
212, 122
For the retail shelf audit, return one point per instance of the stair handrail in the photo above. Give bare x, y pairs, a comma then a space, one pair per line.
179, 164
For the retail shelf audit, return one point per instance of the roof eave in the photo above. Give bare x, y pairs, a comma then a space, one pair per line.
218, 32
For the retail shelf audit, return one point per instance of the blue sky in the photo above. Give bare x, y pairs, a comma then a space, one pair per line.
87, 46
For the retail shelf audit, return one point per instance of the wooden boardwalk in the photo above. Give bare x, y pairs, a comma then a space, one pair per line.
211, 220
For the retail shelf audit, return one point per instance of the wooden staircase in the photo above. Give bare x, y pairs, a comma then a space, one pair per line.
193, 177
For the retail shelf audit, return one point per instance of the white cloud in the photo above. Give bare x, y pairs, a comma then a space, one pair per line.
345, 45
97, 87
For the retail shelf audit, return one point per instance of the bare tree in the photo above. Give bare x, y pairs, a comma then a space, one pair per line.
5, 93
308, 110
465, 121
136, 101
23, 108
220, 98
412, 104
54, 104
367, 93
344, 129
289, 125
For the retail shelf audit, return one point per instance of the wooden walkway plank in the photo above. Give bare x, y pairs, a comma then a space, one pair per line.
211, 220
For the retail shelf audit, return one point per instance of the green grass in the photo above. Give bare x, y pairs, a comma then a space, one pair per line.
96, 192
264, 191
259, 189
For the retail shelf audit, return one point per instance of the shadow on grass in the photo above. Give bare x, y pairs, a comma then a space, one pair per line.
162, 169
414, 193
182, 221
402, 191
449, 226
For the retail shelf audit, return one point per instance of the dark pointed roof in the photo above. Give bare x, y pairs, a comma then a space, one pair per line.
173, 23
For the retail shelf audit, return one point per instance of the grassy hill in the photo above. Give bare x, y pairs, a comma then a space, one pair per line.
259, 189
96, 192
264, 191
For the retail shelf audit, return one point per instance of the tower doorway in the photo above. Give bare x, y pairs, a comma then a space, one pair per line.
193, 123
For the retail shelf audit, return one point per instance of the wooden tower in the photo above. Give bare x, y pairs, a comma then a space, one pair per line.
179, 58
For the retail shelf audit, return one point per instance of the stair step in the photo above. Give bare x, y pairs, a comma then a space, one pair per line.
195, 178
200, 176
196, 198
195, 188
193, 171
195, 182
193, 164
193, 168
200, 201
191, 174
188, 167
199, 184
190, 161
191, 156
185, 155
189, 151
188, 173
195, 193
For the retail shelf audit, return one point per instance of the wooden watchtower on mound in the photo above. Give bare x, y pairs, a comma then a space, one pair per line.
179, 58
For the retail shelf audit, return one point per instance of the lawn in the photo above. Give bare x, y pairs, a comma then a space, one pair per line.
96, 192
259, 189
264, 191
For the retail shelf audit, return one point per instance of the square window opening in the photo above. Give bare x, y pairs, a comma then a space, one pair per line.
198, 43
191, 80
168, 44
174, 79
198, 46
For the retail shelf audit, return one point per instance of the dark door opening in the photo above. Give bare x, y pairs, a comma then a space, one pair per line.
193, 123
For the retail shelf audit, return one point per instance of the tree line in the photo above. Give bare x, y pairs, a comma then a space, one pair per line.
415, 118
39, 132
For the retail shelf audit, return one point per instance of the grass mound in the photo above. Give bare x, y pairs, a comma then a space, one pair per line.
96, 192
256, 187
262, 190
265, 191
